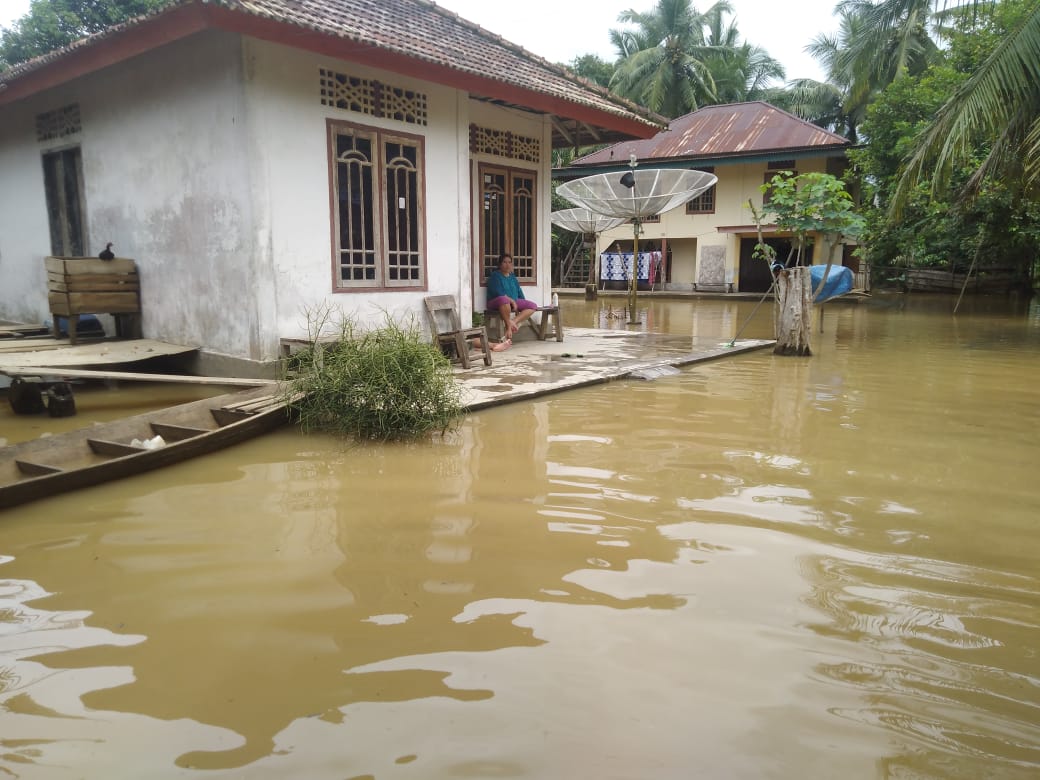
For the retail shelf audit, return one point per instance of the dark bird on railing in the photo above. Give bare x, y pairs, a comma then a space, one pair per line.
106, 253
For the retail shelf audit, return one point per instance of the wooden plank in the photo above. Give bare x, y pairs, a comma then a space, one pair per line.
35, 469
58, 303
94, 354
16, 346
228, 416
107, 303
90, 265
113, 448
97, 284
82, 373
172, 432
246, 405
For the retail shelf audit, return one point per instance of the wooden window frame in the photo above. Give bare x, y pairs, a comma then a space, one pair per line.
395, 252
705, 202
525, 258
66, 212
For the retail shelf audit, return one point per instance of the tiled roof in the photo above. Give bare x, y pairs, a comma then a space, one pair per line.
418, 30
729, 130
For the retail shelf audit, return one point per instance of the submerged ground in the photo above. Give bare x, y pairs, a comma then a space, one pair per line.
761, 567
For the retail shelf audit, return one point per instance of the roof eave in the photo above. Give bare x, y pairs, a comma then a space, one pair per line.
107, 49
182, 21
576, 169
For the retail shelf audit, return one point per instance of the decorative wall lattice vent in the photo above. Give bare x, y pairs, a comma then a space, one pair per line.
59, 123
504, 144
368, 96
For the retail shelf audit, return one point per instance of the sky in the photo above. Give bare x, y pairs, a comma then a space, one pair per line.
560, 30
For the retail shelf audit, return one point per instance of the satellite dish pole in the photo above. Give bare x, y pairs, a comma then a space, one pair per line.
629, 180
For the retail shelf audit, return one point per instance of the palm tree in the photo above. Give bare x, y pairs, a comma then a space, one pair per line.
662, 60
1000, 103
840, 103
740, 71
894, 37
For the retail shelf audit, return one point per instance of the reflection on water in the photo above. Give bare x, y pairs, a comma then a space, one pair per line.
762, 567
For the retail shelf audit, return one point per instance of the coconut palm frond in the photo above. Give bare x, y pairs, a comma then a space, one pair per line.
1000, 101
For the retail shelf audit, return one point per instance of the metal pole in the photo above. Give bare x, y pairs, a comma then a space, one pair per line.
633, 319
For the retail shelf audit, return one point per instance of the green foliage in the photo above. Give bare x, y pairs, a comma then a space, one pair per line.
998, 105
666, 56
811, 203
387, 383
52, 24
593, 68
936, 226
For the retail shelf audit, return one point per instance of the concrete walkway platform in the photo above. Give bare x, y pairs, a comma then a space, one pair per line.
587, 356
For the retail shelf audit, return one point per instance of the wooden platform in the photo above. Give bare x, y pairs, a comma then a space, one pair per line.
29, 353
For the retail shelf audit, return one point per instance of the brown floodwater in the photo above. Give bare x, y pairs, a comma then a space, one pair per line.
760, 568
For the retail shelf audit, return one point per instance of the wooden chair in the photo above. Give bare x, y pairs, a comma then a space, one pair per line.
548, 325
448, 331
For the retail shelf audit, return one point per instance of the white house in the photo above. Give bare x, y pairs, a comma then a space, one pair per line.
264, 158
708, 242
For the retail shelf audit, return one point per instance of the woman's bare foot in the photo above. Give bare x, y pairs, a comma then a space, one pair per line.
501, 346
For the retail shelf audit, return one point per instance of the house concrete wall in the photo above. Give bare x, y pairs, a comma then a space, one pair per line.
485, 114
288, 133
24, 231
166, 178
206, 160
692, 237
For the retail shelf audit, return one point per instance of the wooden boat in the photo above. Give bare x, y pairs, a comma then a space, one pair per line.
106, 451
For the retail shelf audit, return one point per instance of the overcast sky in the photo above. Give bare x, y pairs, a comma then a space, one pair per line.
560, 30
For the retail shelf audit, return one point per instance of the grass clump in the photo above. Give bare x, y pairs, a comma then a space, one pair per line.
386, 383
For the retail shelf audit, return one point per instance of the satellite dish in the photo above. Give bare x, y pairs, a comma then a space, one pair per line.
636, 194
585, 221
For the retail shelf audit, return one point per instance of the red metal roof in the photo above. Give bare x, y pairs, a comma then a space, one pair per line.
729, 130
415, 37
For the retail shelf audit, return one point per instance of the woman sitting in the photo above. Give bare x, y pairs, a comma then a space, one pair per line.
505, 296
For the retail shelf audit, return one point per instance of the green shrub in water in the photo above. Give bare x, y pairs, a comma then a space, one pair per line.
387, 383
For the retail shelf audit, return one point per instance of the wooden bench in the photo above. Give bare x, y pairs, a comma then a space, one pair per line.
87, 285
549, 324
726, 287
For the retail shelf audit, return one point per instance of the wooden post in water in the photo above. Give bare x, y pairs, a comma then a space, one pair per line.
591, 292
793, 311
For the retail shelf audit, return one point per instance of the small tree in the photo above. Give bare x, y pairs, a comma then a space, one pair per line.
802, 206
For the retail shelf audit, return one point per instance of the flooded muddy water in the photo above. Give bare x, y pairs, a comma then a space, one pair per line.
760, 568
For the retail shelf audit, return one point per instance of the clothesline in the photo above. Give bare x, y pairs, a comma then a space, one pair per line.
617, 266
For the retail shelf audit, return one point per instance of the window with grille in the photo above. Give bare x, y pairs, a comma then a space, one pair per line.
705, 202
63, 189
378, 215
507, 220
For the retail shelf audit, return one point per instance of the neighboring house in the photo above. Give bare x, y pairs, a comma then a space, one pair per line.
262, 159
707, 243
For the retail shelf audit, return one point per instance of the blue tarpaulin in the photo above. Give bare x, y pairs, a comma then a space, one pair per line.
839, 281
